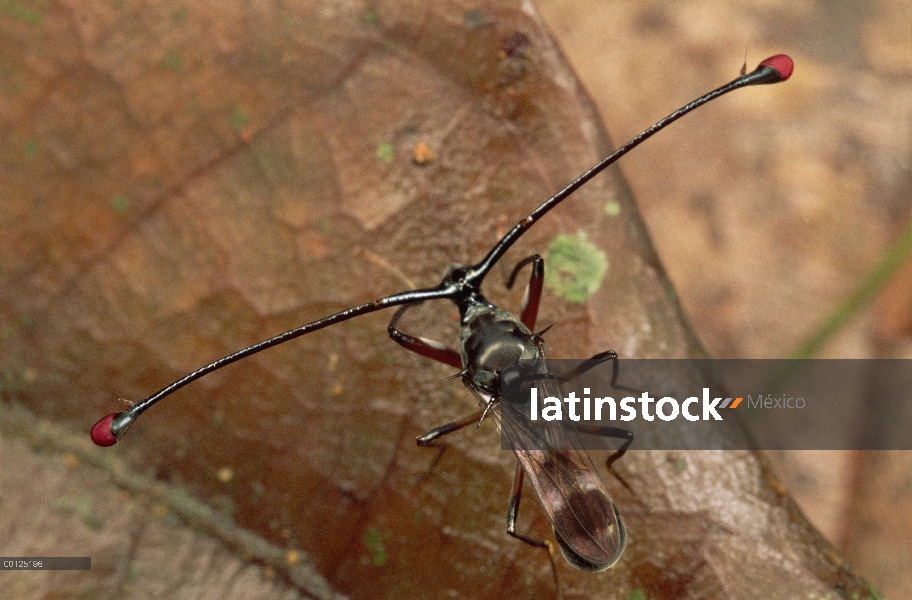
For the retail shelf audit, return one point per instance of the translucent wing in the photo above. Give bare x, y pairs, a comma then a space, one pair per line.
585, 520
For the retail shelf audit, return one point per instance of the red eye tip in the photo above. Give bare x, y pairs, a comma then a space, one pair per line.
782, 64
101, 432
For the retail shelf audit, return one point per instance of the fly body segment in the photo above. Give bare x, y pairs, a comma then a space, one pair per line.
587, 525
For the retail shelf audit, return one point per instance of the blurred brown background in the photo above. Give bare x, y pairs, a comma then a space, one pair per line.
767, 214
767, 219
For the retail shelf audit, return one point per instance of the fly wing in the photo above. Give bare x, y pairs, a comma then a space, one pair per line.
566, 482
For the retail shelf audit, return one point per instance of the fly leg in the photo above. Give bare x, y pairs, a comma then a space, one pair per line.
614, 433
621, 434
427, 440
423, 346
605, 431
439, 352
533, 293
513, 512
436, 351
611, 432
594, 362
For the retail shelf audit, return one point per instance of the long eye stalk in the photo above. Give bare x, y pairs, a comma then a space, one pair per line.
109, 429
772, 70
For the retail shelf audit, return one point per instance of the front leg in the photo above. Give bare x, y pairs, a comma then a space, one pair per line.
423, 346
533, 292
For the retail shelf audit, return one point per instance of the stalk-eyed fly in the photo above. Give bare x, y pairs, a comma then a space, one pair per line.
586, 524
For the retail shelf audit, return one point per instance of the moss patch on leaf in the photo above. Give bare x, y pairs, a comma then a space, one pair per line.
386, 152
575, 267
373, 539
613, 208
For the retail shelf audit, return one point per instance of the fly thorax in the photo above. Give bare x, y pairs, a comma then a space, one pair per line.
491, 341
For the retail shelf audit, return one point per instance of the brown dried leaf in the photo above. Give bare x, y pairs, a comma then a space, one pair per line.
185, 181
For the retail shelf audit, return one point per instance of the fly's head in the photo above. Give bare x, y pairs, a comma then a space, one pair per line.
464, 285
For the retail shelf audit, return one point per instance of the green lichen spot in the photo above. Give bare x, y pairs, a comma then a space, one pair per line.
239, 119
474, 18
172, 60
386, 152
636, 594
179, 14
678, 464
120, 204
575, 267
217, 419
83, 507
25, 14
31, 149
371, 17
612, 208
373, 539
